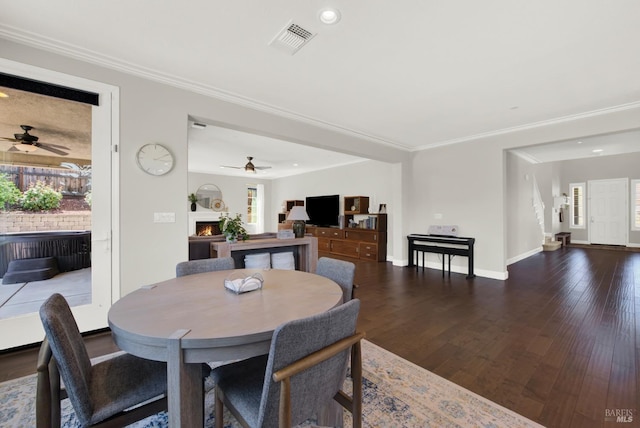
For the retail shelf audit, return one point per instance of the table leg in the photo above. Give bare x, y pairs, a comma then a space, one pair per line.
184, 386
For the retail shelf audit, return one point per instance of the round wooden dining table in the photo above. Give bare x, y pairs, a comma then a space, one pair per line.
193, 319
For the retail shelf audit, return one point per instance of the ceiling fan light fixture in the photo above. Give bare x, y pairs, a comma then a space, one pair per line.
25, 147
329, 16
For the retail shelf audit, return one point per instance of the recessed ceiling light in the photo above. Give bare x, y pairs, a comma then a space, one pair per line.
295, 164
579, 142
3, 95
329, 16
597, 150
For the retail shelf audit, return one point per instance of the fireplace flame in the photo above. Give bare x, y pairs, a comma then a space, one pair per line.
205, 231
209, 228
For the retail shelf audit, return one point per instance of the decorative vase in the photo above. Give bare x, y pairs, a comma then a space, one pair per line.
232, 239
298, 228
193, 206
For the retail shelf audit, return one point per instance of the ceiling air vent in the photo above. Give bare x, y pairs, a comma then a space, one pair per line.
291, 38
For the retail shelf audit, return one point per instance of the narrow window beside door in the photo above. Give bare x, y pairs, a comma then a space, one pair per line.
577, 205
635, 204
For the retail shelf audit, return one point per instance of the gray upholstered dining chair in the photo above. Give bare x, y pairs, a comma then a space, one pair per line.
204, 265
100, 394
305, 368
339, 271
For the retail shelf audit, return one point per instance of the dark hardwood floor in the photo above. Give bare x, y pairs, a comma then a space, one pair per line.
558, 342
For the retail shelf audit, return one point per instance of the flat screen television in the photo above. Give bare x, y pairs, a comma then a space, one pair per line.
323, 210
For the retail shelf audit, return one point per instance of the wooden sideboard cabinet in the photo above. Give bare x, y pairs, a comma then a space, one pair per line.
359, 243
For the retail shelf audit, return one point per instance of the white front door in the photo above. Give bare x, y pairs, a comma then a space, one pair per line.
27, 328
608, 210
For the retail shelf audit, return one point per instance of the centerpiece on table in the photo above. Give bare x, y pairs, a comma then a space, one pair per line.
232, 229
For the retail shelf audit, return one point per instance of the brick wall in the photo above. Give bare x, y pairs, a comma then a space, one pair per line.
11, 222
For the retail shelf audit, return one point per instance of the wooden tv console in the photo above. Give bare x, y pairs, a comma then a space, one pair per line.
359, 243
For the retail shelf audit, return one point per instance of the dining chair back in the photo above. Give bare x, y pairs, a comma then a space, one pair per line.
204, 265
100, 393
340, 271
304, 370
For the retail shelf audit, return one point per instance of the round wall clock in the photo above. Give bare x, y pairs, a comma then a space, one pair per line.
154, 159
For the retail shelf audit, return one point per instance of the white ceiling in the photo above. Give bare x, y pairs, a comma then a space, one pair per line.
411, 74
214, 147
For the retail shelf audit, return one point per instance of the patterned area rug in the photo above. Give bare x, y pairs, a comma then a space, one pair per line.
396, 394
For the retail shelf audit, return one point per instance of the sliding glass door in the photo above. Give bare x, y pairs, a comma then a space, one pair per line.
76, 244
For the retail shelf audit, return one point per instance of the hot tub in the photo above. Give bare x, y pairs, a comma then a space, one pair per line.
72, 248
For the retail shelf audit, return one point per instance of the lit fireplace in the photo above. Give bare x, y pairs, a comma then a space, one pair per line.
207, 228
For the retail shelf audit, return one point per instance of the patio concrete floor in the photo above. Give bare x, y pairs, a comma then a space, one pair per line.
26, 297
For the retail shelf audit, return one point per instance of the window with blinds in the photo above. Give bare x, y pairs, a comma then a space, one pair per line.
577, 205
252, 205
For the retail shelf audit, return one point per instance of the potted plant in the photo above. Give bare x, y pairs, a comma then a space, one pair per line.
193, 198
231, 228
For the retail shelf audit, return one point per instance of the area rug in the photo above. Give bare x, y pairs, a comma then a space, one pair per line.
396, 393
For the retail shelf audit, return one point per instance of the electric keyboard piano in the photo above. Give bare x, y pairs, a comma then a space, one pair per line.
445, 245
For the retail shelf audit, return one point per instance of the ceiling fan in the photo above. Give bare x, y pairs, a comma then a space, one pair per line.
249, 167
26, 142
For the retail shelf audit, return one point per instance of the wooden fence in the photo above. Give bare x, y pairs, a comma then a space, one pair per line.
68, 182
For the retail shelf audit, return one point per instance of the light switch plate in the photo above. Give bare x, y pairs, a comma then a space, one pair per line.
164, 217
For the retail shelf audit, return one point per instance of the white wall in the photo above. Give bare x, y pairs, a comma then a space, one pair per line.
465, 182
155, 112
554, 179
234, 194
598, 168
368, 178
524, 233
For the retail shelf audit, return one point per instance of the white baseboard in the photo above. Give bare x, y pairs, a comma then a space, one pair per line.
523, 256
462, 269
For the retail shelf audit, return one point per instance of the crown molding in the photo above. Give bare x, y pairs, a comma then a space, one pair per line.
525, 156
556, 121
21, 36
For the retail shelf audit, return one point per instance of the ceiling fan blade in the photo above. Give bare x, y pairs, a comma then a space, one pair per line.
234, 167
13, 140
262, 167
57, 146
52, 150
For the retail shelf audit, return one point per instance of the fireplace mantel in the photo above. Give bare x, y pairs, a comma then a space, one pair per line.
195, 216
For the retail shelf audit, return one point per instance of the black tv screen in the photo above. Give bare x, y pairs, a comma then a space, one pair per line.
323, 210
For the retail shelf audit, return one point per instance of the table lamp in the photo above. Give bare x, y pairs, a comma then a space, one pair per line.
298, 215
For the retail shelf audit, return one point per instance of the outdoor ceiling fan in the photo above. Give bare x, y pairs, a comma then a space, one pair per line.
26, 142
249, 167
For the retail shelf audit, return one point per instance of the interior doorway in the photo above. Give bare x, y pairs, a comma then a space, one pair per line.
608, 202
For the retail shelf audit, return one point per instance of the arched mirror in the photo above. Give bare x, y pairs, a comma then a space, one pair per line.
210, 197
